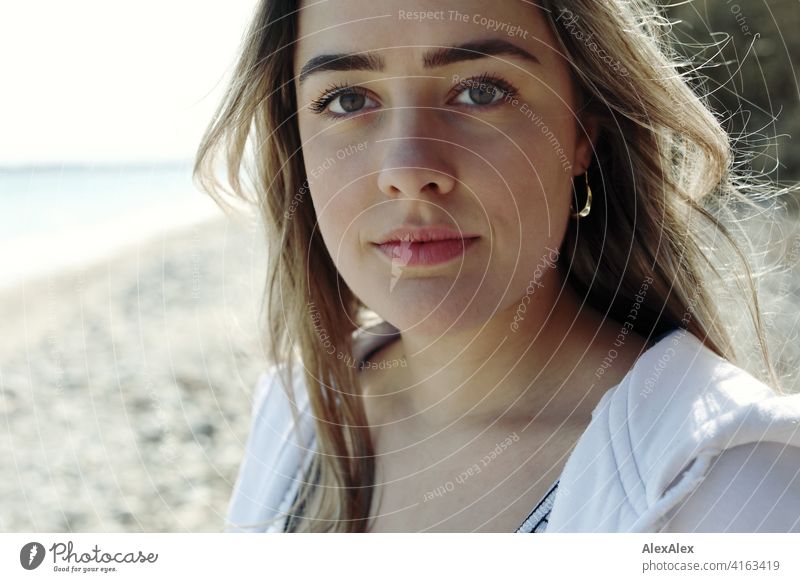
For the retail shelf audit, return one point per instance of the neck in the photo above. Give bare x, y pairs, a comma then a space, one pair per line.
499, 371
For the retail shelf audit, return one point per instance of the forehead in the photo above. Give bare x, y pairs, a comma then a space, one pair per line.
402, 31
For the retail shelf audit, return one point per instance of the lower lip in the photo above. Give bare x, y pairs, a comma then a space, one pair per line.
425, 253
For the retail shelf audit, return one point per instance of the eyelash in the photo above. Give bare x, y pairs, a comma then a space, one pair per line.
319, 105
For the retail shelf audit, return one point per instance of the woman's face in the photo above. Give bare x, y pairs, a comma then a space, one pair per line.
401, 130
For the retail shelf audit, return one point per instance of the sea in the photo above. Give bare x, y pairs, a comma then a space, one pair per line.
55, 217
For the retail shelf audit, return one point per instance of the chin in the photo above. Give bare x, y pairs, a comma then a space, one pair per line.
433, 313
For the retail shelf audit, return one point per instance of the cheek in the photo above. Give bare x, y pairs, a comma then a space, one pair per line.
336, 212
526, 198
532, 208
337, 185
331, 164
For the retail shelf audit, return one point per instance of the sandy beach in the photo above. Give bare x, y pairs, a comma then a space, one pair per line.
126, 385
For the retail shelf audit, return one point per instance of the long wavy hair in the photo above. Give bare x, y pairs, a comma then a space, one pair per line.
663, 178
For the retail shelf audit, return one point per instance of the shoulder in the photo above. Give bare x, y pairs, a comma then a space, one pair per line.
681, 422
279, 445
692, 418
273, 451
749, 488
680, 392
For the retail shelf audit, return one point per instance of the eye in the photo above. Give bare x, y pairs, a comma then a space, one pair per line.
350, 101
343, 100
485, 90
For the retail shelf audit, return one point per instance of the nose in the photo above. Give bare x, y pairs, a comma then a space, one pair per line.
415, 164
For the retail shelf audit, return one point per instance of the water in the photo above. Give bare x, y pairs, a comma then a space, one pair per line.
57, 217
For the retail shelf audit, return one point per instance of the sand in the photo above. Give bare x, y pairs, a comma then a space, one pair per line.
125, 386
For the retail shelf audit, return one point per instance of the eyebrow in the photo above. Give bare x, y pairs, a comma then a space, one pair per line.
440, 57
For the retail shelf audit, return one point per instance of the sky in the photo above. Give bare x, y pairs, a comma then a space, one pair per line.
108, 81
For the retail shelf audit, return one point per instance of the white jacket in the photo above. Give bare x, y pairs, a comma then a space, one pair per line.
686, 442
653, 438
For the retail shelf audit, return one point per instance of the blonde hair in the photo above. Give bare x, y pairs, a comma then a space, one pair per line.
650, 223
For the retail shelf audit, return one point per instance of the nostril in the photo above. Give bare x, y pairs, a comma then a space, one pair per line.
408, 180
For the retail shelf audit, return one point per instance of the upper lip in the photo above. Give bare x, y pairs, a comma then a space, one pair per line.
423, 234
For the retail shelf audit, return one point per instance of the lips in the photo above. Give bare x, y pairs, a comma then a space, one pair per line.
424, 234
434, 252
430, 245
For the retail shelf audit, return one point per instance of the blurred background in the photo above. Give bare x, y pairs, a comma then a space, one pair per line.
129, 303
128, 300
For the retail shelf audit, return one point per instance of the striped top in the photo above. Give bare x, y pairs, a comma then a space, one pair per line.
536, 522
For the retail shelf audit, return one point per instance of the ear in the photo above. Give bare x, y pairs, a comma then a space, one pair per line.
588, 129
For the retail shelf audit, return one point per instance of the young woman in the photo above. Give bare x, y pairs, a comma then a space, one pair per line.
519, 191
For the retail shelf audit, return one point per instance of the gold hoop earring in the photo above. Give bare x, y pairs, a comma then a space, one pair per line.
588, 206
